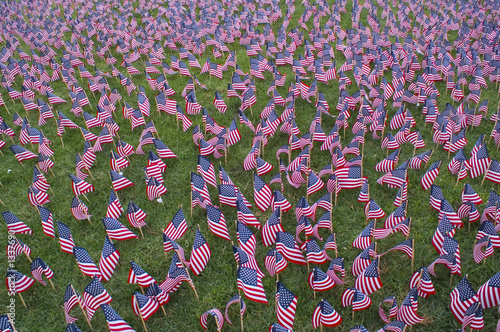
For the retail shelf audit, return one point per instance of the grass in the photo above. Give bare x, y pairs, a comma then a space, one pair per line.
44, 311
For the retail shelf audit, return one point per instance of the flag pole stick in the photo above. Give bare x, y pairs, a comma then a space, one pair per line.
11, 324
241, 314
142, 319
486, 173
22, 300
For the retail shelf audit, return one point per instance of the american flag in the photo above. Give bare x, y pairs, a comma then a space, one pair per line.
461, 298
79, 210
407, 313
17, 282
5, 324
423, 282
21, 153
144, 306
109, 259
473, 317
138, 276
242, 307
271, 227
47, 221
65, 238
244, 214
217, 222
94, 295
314, 254
362, 261
275, 262
114, 209
207, 171
39, 268
116, 231
430, 176
286, 305
391, 300
71, 299
319, 280
324, 314
251, 284
177, 226
356, 298
118, 181
489, 293
363, 240
135, 215
85, 263
14, 225
114, 321
200, 254
369, 281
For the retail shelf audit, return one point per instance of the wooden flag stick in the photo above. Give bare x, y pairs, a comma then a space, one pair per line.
22, 300
486, 173
241, 314
11, 323
142, 320
52, 284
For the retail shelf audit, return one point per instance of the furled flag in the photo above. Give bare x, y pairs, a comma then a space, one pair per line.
407, 313
216, 314
423, 282
363, 240
286, 304
71, 299
431, 175
116, 231
251, 284
109, 259
114, 321
479, 162
325, 315
369, 281
373, 211
94, 295
362, 261
114, 209
356, 298
217, 222
17, 282
200, 253
489, 293
461, 298
137, 275
242, 307
271, 227
15, 247
391, 300
5, 323
245, 215
144, 306
85, 263
287, 246
207, 171
79, 210
135, 215
262, 193
14, 225
65, 238
118, 181
177, 227
39, 268
469, 194
275, 262
320, 281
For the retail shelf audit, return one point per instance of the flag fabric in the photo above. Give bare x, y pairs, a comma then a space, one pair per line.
85, 263
473, 317
216, 314
137, 275
17, 282
262, 193
200, 254
461, 298
407, 312
135, 215
65, 238
116, 231
79, 210
369, 281
144, 306
286, 304
217, 222
431, 175
71, 299
114, 321
356, 298
14, 225
177, 227
94, 295
275, 262
114, 209
391, 300
319, 280
118, 181
287, 246
39, 268
489, 293
325, 315
242, 307
251, 284
109, 259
